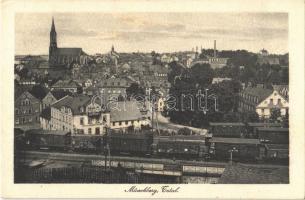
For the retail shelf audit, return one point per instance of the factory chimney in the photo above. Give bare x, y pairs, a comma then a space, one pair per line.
214, 48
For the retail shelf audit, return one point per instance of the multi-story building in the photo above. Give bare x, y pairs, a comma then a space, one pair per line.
262, 101
27, 108
113, 87
128, 114
79, 115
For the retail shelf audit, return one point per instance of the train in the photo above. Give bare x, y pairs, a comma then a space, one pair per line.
257, 142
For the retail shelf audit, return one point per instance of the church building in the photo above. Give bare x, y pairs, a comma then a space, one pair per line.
64, 56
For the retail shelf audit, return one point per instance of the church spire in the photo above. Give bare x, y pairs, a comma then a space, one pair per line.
53, 43
53, 25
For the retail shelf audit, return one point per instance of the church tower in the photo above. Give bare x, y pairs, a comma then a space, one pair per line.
53, 44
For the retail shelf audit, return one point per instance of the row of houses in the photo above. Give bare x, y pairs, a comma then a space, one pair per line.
59, 110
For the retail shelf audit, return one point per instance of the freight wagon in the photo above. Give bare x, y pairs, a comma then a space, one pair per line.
45, 139
180, 146
241, 148
252, 128
126, 143
231, 130
87, 143
273, 135
278, 152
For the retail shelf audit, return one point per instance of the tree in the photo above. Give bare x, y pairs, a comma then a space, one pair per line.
275, 115
202, 74
175, 70
135, 90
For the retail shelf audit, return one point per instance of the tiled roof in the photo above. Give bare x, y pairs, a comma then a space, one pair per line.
74, 103
259, 92
58, 94
247, 174
124, 111
69, 51
65, 83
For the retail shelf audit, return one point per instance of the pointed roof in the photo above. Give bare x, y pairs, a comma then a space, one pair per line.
53, 25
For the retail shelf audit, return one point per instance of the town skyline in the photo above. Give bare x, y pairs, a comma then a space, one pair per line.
146, 32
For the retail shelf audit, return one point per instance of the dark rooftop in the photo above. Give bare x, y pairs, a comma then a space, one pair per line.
260, 124
69, 51
58, 94
279, 129
235, 140
74, 103
226, 124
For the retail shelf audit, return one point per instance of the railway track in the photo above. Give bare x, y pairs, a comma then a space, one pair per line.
76, 158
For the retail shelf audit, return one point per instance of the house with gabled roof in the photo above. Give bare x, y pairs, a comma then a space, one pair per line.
27, 108
262, 101
79, 114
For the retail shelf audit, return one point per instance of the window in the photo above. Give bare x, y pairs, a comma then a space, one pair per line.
279, 101
112, 83
126, 122
89, 121
81, 121
89, 131
97, 131
263, 110
17, 111
113, 123
17, 121
271, 101
30, 119
120, 123
119, 83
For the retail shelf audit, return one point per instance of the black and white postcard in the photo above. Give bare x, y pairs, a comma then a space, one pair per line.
124, 99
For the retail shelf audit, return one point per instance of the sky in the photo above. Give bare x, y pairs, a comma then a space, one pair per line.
145, 32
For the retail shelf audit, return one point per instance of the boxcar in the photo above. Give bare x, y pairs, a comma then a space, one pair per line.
277, 151
87, 143
252, 128
130, 143
232, 130
180, 146
45, 139
244, 149
273, 135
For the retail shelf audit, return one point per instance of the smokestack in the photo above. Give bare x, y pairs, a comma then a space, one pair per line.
214, 48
